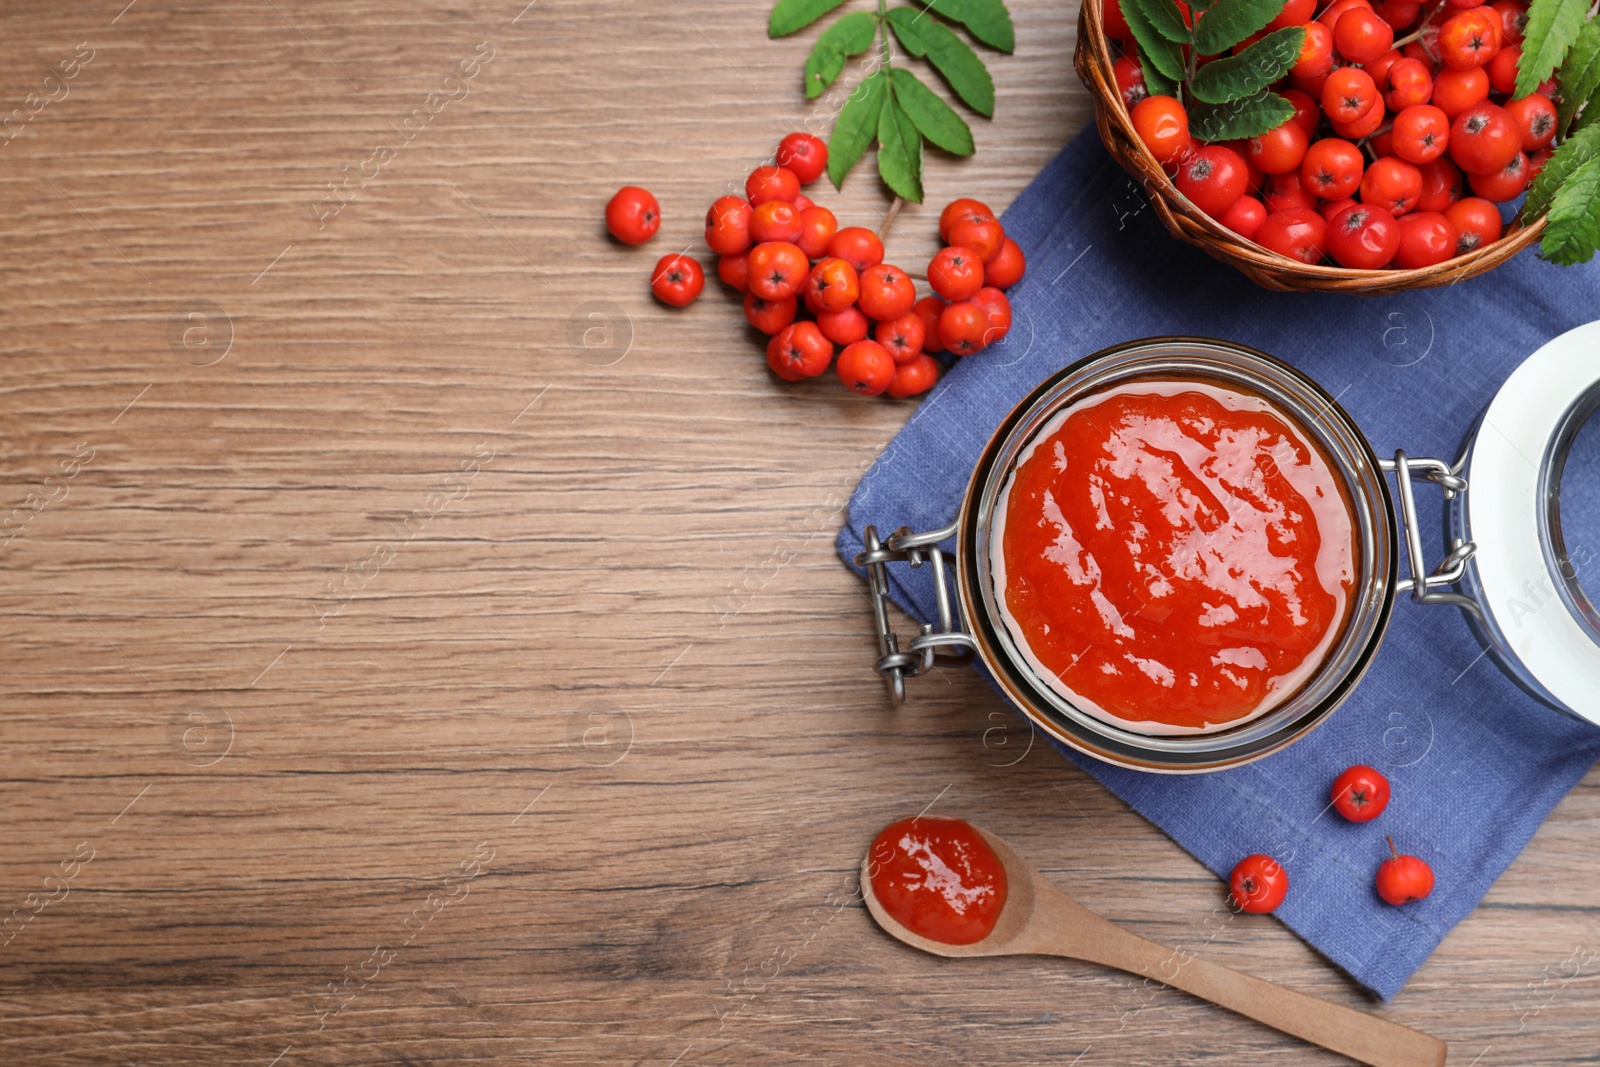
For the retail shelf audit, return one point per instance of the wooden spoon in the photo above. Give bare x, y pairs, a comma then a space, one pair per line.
1040, 920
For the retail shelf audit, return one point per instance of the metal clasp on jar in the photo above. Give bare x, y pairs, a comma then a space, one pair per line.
943, 642
1430, 587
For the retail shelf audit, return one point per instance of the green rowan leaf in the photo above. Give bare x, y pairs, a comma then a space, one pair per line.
1573, 233
1588, 114
987, 20
1164, 55
923, 35
1552, 27
1227, 22
1580, 73
1250, 117
934, 119
857, 125
1249, 72
791, 15
850, 36
1155, 82
1163, 17
899, 152
1578, 150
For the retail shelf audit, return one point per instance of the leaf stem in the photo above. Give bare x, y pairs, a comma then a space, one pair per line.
888, 220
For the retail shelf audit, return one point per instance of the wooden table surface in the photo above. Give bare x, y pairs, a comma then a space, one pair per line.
424, 648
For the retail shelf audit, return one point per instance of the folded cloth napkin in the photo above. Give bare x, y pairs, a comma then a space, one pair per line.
1475, 763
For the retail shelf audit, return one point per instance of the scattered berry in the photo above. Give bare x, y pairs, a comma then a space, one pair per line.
1360, 793
677, 280
1258, 884
1403, 879
866, 368
804, 155
633, 216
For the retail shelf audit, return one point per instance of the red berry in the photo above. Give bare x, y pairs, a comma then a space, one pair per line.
1421, 133
1245, 217
1006, 268
1258, 884
1379, 68
832, 285
1163, 125
1329, 208
886, 292
857, 246
735, 272
1360, 793
1114, 22
1442, 185
997, 314
1403, 879
1426, 238
728, 225
1280, 150
1484, 138
1316, 53
1507, 183
1513, 20
1399, 13
1392, 184
1294, 13
817, 228
1537, 117
962, 326
956, 210
801, 349
981, 233
1350, 93
955, 273
1283, 192
1502, 69
1469, 39
806, 156
1454, 91
844, 327
1298, 233
1477, 222
1410, 82
1363, 237
902, 338
1214, 176
927, 309
1361, 36
1125, 71
802, 202
776, 220
1362, 127
1306, 110
1330, 14
771, 183
777, 270
1332, 168
632, 215
677, 280
866, 368
915, 376
769, 316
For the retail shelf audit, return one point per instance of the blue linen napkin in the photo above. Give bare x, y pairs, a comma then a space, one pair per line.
1475, 763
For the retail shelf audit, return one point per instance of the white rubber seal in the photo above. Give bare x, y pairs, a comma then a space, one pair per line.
1503, 505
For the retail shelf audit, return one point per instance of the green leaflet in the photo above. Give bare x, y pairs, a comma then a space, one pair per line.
899, 152
933, 118
1230, 21
1250, 117
1249, 72
1580, 73
856, 127
791, 15
1552, 27
923, 35
1155, 82
1163, 55
1578, 150
851, 35
987, 20
1163, 17
1573, 232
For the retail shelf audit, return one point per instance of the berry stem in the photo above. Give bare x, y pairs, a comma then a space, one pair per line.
1392, 850
1422, 27
888, 220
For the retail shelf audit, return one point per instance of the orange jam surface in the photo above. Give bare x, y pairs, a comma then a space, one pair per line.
938, 878
1174, 555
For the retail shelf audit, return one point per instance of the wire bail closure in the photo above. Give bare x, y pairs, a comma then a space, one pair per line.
1430, 587
941, 643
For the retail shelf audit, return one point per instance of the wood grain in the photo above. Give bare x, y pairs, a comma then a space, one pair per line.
576, 761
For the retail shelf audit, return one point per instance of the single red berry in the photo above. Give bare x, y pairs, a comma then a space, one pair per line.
886, 292
928, 309
776, 220
1477, 222
1245, 217
844, 327
1379, 68
1332, 168
1469, 39
1258, 884
1298, 233
1537, 117
956, 210
1213, 177
1399, 13
857, 246
1330, 14
955, 273
902, 338
996, 312
1410, 82
1360, 793
1505, 184
771, 183
1163, 125
865, 367
801, 349
832, 285
728, 225
1350, 93
914, 377
735, 272
777, 269
1361, 36
1294, 13
1007, 268
1364, 126
817, 227
1442, 185
1454, 91
1114, 22
677, 280
1502, 69
1513, 20
1392, 184
802, 202
1306, 110
1426, 238
1403, 879
1421, 133
981, 233
769, 316
632, 215
806, 156
1283, 192
1363, 237
1125, 71
962, 326
1484, 138
1329, 208
1316, 53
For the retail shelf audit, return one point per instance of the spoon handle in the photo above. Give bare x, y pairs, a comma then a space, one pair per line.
1081, 934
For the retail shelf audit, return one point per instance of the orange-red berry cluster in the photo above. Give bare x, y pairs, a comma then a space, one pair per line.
1396, 157
810, 285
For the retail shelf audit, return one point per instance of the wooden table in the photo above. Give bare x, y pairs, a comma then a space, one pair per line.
422, 647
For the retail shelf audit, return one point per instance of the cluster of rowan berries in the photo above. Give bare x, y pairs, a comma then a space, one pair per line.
1399, 150
810, 285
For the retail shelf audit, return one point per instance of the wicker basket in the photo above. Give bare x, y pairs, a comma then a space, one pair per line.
1186, 222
